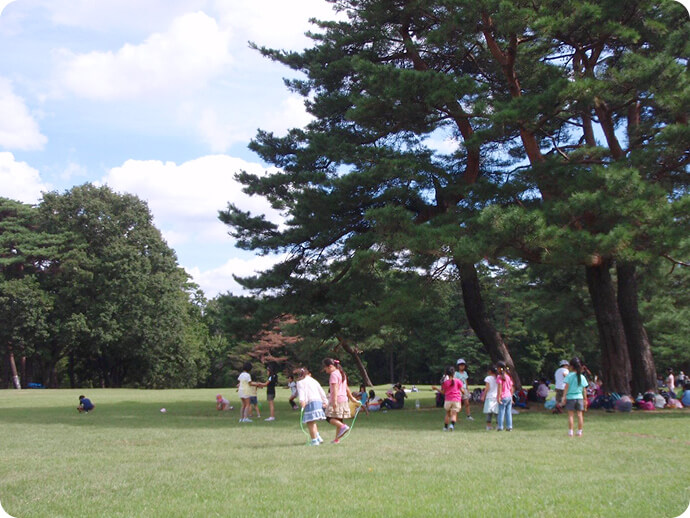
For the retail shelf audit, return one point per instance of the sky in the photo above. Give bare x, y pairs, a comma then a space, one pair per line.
157, 98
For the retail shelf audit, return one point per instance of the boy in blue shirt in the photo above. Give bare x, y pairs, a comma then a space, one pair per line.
85, 405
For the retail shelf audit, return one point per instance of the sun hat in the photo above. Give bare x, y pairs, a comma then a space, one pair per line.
460, 360
564, 362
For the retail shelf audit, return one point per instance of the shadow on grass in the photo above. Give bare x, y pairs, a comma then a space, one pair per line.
202, 415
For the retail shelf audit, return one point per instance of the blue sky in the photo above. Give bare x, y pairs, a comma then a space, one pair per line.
158, 98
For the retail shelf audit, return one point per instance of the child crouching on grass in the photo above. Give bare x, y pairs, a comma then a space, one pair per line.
85, 405
451, 389
313, 400
222, 403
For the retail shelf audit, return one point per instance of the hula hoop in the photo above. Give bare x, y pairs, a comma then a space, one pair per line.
352, 425
301, 425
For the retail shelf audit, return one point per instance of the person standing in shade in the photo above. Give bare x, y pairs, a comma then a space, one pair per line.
504, 391
461, 374
559, 380
270, 385
574, 398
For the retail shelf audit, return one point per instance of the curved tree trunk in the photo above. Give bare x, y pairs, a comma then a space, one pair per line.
639, 347
479, 321
354, 352
615, 361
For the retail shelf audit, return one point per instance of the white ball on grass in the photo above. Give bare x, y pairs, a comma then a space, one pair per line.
163, 410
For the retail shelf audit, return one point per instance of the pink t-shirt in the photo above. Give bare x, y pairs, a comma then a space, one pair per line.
452, 389
505, 386
341, 390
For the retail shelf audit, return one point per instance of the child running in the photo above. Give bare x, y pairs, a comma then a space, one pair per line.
575, 395
313, 400
338, 408
490, 396
451, 389
505, 397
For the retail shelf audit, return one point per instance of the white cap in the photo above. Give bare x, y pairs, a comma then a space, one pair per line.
564, 362
460, 360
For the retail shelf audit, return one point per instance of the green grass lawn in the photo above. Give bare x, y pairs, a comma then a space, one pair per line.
127, 459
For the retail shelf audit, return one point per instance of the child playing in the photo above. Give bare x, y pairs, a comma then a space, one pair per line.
338, 408
575, 395
363, 398
505, 397
313, 400
451, 389
85, 405
462, 375
293, 389
244, 390
222, 403
490, 396
270, 385
254, 399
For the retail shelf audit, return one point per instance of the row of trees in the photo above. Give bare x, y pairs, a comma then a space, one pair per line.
568, 125
90, 294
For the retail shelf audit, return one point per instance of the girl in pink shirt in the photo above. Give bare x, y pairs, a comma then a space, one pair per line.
505, 397
451, 388
338, 407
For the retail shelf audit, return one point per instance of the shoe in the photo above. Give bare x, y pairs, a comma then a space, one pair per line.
270, 419
314, 442
579, 433
451, 428
335, 441
499, 429
570, 433
247, 420
318, 438
445, 428
509, 429
470, 418
342, 431
489, 428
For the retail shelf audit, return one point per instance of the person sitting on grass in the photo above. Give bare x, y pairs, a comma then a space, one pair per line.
373, 403
85, 405
363, 398
396, 400
222, 403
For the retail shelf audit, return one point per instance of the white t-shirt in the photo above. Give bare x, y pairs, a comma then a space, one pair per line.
293, 387
244, 379
492, 393
559, 377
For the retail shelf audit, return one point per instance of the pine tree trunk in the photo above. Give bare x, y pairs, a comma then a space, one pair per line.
639, 347
358, 361
13, 367
479, 321
615, 361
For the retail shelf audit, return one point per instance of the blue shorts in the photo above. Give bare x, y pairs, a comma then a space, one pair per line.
253, 400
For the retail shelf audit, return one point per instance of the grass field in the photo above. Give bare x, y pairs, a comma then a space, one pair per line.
127, 459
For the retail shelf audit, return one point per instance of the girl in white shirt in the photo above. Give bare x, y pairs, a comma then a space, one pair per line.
490, 396
313, 400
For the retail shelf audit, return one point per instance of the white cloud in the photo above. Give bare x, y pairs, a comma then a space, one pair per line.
185, 199
18, 129
185, 58
273, 23
109, 15
222, 128
19, 181
219, 280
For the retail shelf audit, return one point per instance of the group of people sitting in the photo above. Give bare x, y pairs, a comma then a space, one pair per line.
394, 400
